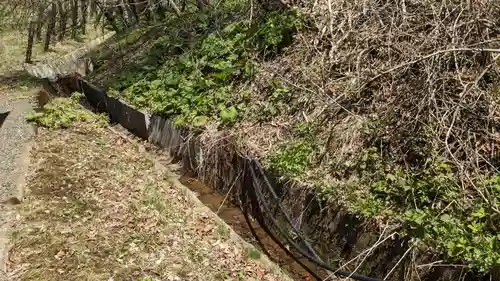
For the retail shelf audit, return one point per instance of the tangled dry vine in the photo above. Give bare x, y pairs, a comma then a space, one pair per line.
427, 70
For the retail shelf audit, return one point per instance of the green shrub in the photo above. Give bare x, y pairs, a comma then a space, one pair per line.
430, 204
63, 112
292, 159
198, 85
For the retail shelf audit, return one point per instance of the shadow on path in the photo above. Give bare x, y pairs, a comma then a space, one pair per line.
3, 116
16, 77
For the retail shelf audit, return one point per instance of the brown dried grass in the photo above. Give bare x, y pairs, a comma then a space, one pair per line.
97, 209
427, 71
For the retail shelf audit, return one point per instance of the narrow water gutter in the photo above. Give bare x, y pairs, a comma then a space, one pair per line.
224, 207
251, 231
337, 234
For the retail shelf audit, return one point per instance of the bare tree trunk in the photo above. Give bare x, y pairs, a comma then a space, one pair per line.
39, 23
133, 9
74, 18
63, 20
98, 18
31, 39
93, 8
50, 27
84, 5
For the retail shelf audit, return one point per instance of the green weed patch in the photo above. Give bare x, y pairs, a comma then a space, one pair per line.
63, 112
197, 82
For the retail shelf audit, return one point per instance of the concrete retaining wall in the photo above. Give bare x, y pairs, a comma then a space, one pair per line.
66, 64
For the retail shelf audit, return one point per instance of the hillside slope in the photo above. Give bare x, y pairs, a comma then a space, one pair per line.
390, 107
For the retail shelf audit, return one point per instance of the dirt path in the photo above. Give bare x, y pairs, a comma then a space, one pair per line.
98, 210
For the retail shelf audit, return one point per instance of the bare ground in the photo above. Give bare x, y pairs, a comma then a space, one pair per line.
97, 209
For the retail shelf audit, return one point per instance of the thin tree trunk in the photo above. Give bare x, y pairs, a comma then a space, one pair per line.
133, 9
50, 27
102, 15
63, 20
31, 39
93, 8
39, 23
74, 18
97, 19
84, 5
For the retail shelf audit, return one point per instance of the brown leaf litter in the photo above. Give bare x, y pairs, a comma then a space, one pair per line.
97, 209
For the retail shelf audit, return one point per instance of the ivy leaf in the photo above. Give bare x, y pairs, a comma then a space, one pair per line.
446, 218
228, 114
480, 213
475, 227
200, 121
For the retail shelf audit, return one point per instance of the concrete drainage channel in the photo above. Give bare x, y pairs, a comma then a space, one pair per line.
247, 228
288, 219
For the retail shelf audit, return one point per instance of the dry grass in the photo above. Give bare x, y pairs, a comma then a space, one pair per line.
97, 210
13, 48
14, 81
417, 68
123, 52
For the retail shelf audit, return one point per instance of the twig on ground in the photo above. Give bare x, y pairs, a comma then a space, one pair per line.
228, 193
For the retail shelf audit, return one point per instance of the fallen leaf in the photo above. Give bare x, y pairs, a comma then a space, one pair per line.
59, 255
